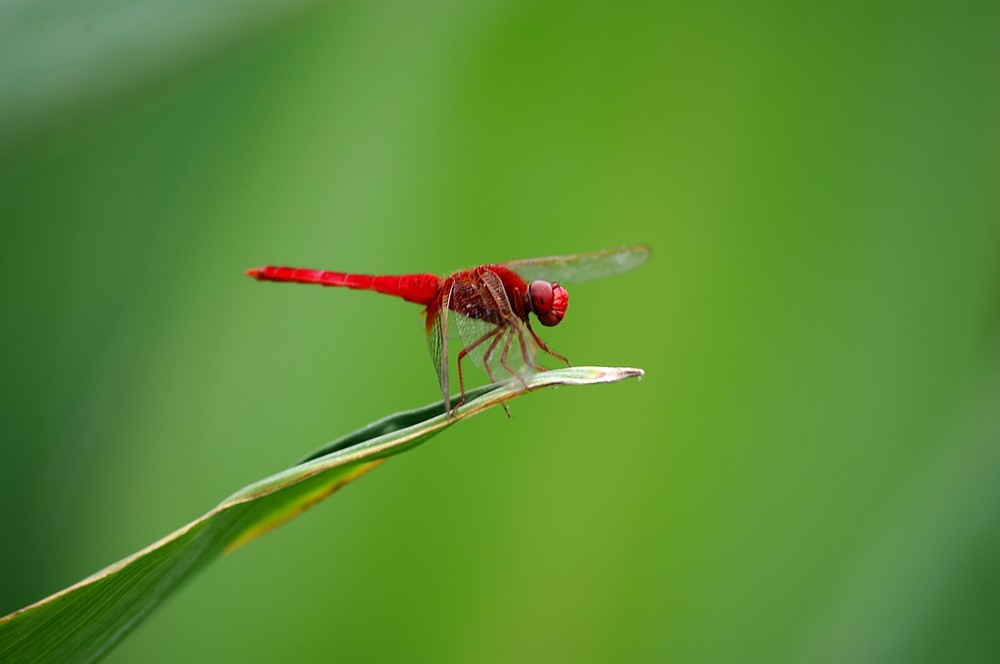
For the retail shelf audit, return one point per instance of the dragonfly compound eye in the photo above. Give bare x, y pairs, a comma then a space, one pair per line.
547, 301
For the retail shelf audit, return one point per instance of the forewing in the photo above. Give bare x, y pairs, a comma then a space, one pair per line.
581, 267
491, 334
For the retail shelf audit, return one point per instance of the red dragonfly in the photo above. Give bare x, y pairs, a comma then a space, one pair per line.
489, 304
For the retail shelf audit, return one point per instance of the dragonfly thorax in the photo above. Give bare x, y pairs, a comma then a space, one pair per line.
547, 301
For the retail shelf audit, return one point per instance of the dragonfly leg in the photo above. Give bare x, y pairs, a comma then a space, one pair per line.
488, 360
465, 351
541, 344
488, 356
525, 355
503, 357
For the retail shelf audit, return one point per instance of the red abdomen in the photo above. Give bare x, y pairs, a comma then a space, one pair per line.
418, 288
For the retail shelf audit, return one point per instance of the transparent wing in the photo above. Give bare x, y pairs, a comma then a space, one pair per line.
437, 344
492, 336
479, 343
581, 267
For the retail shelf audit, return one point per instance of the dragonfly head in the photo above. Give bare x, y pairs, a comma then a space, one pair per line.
547, 301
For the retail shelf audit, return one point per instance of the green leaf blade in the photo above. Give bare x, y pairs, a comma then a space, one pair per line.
85, 621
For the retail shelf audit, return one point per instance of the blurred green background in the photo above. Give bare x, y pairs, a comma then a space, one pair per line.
809, 470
